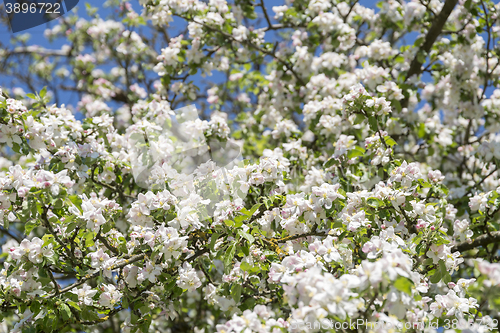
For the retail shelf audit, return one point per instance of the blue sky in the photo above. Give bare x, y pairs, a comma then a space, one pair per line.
37, 38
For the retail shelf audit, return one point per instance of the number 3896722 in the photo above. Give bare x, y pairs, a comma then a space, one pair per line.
41, 7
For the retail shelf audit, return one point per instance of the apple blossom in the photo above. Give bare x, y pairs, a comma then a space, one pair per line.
340, 165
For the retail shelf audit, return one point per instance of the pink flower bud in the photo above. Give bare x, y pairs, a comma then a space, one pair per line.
23, 191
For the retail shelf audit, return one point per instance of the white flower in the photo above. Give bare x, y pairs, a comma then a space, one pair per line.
491, 270
343, 144
240, 33
33, 249
354, 221
130, 272
406, 173
98, 258
332, 254
85, 294
439, 306
437, 253
479, 201
435, 176
169, 55
110, 296
188, 278
456, 305
325, 194
461, 230
149, 272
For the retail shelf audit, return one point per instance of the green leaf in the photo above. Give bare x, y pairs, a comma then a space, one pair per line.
171, 285
238, 220
421, 56
29, 226
421, 130
89, 239
247, 236
403, 284
373, 123
255, 270
254, 209
213, 239
267, 202
390, 141
396, 104
356, 151
43, 92
70, 227
436, 277
245, 266
76, 200
337, 224
359, 119
236, 292
106, 227
65, 311
58, 204
74, 305
125, 304
442, 267
418, 249
446, 278
35, 308
399, 59
419, 41
133, 318
147, 322
47, 239
229, 255
16, 147
330, 163
373, 202
431, 151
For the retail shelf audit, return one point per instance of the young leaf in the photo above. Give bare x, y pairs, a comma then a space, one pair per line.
236, 292
436, 277
65, 311
245, 266
229, 255
247, 236
403, 284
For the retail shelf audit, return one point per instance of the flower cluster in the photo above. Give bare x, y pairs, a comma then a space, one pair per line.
342, 166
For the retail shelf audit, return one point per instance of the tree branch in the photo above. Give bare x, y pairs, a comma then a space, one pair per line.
249, 43
482, 240
12, 235
432, 35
